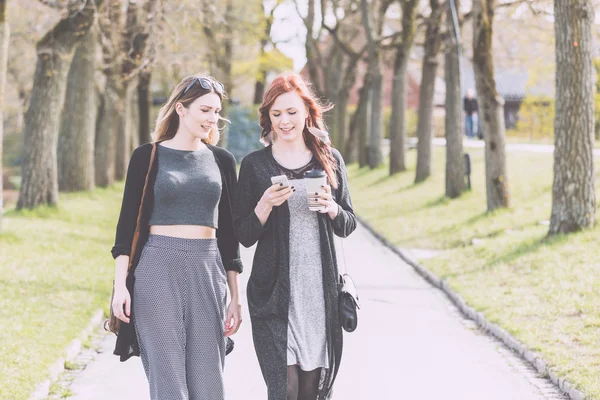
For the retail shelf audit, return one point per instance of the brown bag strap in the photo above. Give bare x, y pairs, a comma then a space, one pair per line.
136, 235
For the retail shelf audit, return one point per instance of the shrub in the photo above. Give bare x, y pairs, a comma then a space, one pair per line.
244, 131
536, 118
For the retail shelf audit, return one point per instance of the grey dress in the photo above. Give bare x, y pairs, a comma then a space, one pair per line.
306, 344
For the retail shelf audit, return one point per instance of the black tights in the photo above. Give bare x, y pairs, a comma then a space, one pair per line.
302, 385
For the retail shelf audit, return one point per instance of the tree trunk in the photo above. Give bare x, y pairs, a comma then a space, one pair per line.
365, 129
343, 96
374, 108
55, 52
124, 132
132, 45
333, 83
376, 121
573, 189
106, 138
77, 132
259, 88
227, 68
135, 117
356, 146
427, 91
4, 40
491, 105
259, 85
144, 105
398, 119
398, 122
312, 51
455, 166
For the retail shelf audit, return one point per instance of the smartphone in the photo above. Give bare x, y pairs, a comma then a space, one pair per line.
280, 179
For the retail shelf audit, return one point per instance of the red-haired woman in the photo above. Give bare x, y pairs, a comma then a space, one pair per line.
293, 287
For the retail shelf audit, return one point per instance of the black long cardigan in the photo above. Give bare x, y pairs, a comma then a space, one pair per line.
269, 284
228, 244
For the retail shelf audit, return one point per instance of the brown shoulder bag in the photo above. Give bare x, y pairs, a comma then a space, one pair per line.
113, 324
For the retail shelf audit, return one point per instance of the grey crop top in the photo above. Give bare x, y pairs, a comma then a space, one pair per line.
187, 188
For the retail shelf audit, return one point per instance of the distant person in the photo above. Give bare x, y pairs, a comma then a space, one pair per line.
470, 108
183, 252
293, 289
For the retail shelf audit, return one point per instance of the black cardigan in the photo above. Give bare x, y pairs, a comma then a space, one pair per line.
134, 184
268, 289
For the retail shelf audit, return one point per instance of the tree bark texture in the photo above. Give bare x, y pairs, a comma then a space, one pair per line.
144, 98
111, 107
455, 166
259, 87
77, 131
398, 118
375, 109
333, 82
573, 189
427, 90
132, 44
55, 52
313, 54
398, 121
106, 136
4, 41
124, 132
135, 117
358, 142
365, 127
491, 105
341, 105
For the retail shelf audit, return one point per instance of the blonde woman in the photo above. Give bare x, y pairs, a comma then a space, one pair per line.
184, 249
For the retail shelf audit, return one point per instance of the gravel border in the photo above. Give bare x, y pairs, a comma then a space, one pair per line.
519, 348
71, 352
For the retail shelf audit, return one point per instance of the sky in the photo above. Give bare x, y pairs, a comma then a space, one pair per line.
289, 31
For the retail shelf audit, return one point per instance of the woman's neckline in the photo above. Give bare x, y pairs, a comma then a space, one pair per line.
202, 150
312, 158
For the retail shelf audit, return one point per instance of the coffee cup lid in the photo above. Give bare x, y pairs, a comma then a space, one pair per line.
314, 173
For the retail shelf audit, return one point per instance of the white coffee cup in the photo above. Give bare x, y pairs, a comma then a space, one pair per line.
315, 180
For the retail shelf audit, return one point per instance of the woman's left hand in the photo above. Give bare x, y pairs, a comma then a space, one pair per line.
326, 200
234, 318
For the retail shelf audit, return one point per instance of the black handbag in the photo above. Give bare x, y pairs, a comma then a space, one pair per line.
348, 304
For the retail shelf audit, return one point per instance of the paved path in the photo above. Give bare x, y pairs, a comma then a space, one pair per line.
411, 343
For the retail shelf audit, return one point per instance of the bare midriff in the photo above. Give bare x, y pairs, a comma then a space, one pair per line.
184, 231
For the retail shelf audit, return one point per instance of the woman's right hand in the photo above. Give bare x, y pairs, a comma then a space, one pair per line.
276, 195
121, 298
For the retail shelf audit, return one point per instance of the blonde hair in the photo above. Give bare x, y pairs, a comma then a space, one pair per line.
167, 121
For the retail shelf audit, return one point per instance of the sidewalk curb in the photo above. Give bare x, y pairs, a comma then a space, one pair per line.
479, 318
42, 390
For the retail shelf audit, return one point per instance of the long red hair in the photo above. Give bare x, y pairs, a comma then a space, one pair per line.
292, 82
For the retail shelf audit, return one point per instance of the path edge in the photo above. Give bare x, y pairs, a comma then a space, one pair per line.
42, 390
531, 357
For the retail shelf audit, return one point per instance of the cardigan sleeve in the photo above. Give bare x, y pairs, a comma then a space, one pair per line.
246, 222
134, 185
345, 222
229, 246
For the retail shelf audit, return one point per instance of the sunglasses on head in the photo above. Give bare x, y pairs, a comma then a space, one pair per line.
207, 84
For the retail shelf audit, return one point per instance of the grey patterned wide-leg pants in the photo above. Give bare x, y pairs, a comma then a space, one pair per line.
179, 298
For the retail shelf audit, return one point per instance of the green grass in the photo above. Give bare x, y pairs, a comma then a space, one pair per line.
543, 291
55, 271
